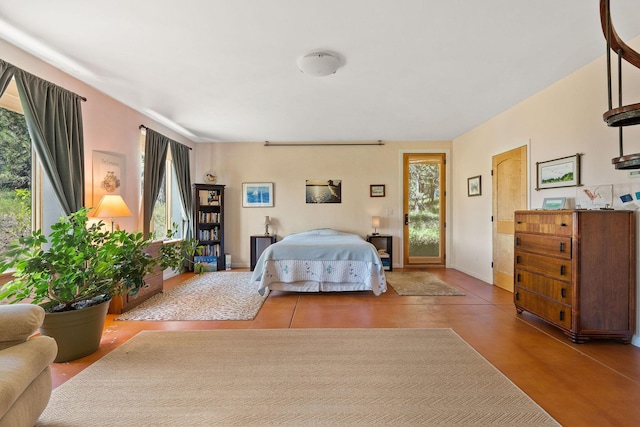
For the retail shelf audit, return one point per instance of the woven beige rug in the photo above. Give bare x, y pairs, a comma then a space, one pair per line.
209, 296
419, 283
293, 377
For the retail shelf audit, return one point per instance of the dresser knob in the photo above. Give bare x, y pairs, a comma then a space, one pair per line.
563, 293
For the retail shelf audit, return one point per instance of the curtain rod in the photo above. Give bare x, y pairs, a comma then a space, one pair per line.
145, 127
13, 77
319, 144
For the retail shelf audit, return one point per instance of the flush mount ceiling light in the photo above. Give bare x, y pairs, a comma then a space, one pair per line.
319, 63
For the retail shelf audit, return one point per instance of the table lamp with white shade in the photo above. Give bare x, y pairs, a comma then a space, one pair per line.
111, 206
375, 223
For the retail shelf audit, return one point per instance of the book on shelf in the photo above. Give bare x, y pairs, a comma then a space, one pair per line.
208, 217
205, 235
210, 250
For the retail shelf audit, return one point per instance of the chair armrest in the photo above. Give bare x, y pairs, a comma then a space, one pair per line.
18, 322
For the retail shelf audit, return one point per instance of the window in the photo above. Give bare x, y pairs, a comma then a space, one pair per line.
15, 170
167, 212
27, 201
24, 191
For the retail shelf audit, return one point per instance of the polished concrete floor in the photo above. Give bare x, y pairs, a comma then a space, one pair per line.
591, 384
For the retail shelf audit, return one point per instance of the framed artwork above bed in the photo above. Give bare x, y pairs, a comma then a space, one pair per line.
323, 190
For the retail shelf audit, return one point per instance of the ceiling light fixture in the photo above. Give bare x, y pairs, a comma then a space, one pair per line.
319, 63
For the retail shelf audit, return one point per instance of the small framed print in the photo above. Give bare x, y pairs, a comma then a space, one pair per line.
257, 194
553, 203
376, 190
474, 186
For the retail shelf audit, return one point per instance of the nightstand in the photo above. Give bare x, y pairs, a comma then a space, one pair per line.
258, 245
383, 241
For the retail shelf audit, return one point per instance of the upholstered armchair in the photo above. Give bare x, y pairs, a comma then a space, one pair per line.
25, 375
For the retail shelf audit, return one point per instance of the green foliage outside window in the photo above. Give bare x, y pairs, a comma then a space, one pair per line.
15, 177
424, 209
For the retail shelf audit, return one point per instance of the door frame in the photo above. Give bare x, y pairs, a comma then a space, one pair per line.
400, 206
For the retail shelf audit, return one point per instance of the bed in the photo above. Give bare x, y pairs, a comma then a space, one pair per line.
321, 260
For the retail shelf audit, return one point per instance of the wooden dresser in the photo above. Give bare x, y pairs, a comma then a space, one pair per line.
153, 284
576, 269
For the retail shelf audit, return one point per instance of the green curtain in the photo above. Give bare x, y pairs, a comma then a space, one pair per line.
155, 156
6, 73
180, 154
54, 119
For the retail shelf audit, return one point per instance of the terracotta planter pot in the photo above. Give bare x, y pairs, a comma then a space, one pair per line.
77, 332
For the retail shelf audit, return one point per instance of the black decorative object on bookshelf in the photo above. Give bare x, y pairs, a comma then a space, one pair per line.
208, 220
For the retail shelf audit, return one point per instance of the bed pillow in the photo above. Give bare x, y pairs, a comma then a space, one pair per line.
324, 232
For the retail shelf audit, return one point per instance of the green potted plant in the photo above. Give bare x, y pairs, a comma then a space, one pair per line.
77, 270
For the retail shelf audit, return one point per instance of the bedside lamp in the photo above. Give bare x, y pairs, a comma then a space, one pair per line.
111, 206
375, 223
267, 222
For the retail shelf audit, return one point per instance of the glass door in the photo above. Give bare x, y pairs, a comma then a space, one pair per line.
424, 209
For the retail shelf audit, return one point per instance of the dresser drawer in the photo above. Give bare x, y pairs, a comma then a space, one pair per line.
532, 222
549, 310
546, 245
550, 288
555, 268
152, 284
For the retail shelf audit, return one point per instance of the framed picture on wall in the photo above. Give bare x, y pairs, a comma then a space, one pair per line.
108, 175
562, 172
474, 186
257, 194
323, 190
376, 190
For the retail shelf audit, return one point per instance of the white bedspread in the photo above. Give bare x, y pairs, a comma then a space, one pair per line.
322, 260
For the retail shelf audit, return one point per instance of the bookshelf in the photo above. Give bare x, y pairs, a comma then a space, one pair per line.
208, 220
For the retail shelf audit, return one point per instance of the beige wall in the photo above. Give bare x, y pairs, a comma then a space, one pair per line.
562, 120
289, 167
108, 126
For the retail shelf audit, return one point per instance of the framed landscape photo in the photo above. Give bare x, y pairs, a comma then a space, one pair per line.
474, 186
257, 194
376, 190
562, 172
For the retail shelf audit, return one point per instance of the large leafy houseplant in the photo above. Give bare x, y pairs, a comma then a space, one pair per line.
80, 264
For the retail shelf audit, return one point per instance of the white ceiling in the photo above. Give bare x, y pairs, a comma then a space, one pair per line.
225, 70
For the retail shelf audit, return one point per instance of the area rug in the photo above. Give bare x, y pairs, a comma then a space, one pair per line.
293, 377
419, 283
209, 296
